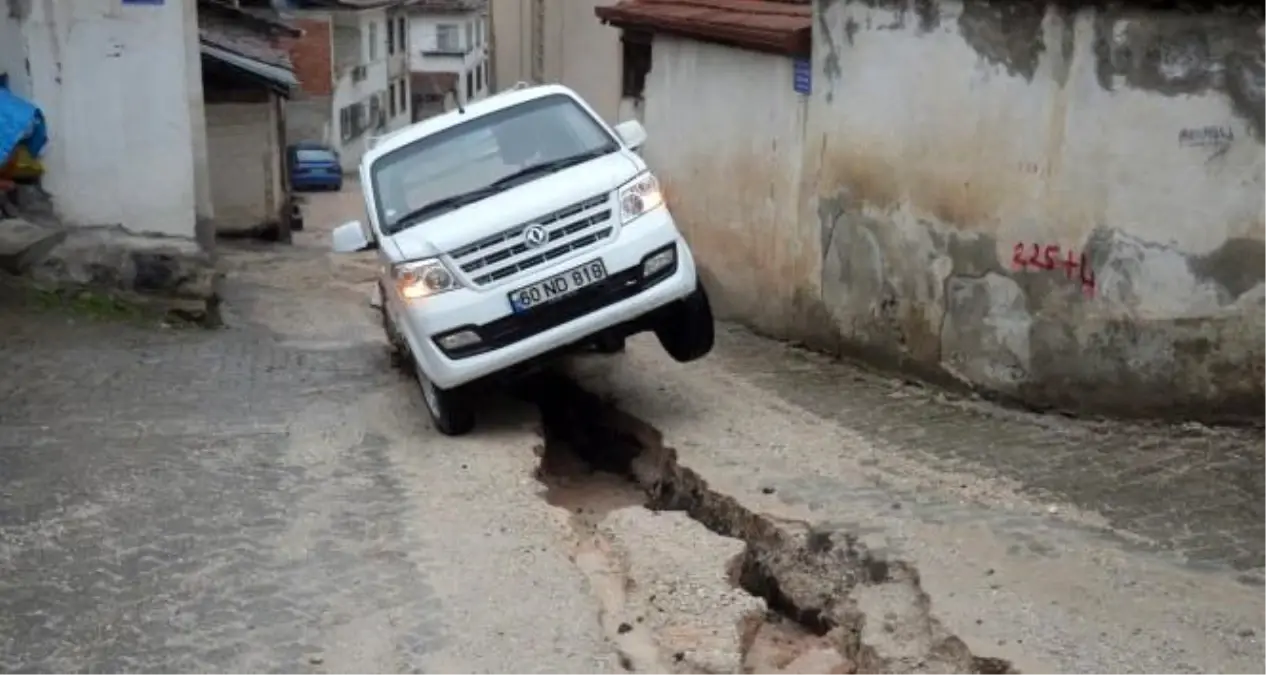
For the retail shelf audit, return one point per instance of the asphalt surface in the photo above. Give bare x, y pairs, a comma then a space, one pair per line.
269, 497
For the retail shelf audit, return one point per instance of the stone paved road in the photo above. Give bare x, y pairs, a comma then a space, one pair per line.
266, 498
1065, 546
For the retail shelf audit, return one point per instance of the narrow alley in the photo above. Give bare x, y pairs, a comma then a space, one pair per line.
814, 265
270, 497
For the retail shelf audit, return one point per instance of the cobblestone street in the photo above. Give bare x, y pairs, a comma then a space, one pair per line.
269, 497
266, 497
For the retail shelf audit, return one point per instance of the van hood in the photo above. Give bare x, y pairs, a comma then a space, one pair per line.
517, 205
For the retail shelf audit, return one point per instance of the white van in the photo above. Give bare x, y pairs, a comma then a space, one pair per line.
513, 230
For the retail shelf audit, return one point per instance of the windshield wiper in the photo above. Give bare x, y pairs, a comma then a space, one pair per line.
445, 204
551, 166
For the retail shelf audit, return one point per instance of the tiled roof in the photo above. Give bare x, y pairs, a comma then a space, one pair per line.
234, 37
353, 4
265, 19
776, 26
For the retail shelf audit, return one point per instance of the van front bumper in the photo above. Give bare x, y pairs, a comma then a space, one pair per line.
508, 339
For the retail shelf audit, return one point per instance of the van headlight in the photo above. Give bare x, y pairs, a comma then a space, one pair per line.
423, 278
639, 197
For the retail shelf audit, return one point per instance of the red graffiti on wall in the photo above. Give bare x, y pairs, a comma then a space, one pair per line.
1049, 257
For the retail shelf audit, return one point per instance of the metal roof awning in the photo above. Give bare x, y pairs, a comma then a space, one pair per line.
282, 79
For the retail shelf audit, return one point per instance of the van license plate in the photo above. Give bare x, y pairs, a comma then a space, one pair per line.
558, 286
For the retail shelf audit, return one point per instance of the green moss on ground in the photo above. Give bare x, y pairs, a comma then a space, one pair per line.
100, 306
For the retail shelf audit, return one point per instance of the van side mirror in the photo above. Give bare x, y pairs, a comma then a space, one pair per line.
350, 237
632, 133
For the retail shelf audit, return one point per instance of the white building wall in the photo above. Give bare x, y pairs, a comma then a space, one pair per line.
205, 210
424, 41
116, 94
731, 170
347, 91
13, 53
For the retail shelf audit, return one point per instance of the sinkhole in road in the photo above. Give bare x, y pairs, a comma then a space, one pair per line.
785, 597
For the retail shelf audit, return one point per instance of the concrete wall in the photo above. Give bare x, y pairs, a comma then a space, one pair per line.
511, 56
1060, 205
13, 52
585, 54
245, 155
204, 211
577, 50
116, 95
731, 171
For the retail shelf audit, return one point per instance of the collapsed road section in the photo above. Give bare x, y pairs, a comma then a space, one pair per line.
783, 596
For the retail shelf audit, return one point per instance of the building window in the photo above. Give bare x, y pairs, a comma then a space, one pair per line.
351, 121
470, 85
373, 41
404, 94
447, 38
402, 35
391, 37
376, 117
470, 36
479, 77
391, 91
479, 32
636, 57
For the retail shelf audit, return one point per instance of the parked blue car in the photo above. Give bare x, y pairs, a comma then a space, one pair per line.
314, 166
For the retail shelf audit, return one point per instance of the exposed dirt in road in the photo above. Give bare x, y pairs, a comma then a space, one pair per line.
800, 599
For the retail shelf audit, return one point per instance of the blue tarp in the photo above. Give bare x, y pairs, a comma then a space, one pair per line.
21, 122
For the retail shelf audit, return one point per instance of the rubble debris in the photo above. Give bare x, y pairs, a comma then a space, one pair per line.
164, 273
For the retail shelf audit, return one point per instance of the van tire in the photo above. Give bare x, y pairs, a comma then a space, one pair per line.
450, 409
687, 330
608, 344
399, 352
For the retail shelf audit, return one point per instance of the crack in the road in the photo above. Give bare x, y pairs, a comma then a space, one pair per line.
832, 604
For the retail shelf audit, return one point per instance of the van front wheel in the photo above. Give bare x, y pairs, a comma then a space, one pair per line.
450, 410
687, 331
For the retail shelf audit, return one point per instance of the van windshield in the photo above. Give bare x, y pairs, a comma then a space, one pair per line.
461, 164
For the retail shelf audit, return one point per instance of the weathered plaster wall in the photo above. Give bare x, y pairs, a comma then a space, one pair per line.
115, 95
198, 127
13, 50
948, 139
729, 159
